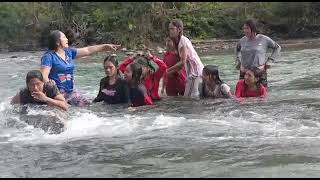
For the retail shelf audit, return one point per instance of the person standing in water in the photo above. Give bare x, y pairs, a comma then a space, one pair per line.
251, 85
251, 51
174, 84
57, 65
113, 89
212, 86
39, 92
188, 59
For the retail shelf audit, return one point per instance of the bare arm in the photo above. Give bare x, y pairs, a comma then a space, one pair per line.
45, 72
16, 99
58, 101
181, 63
87, 51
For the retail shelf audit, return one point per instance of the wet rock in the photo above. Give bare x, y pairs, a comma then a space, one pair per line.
14, 56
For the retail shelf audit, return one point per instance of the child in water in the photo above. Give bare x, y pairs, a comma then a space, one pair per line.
251, 85
137, 90
212, 86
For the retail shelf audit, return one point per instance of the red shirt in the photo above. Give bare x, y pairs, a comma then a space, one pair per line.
151, 81
242, 91
176, 83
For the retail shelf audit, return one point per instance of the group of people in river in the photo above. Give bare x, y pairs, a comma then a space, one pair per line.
135, 81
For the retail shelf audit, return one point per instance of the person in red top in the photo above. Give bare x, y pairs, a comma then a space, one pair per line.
251, 85
175, 83
153, 68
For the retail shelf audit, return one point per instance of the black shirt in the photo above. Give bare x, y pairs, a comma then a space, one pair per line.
113, 94
49, 90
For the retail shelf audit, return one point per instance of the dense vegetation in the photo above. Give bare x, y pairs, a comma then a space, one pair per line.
134, 23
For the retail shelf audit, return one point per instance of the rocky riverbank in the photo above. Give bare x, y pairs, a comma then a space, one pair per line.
203, 47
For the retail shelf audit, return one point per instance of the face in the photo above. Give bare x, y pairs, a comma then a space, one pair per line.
63, 40
128, 74
145, 70
249, 78
205, 77
173, 31
169, 44
247, 31
110, 69
35, 85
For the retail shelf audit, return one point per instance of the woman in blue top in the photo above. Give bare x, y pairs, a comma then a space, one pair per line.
57, 65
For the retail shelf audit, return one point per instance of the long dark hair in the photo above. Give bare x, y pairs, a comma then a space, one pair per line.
114, 61
54, 38
252, 24
136, 74
257, 74
179, 24
34, 74
214, 72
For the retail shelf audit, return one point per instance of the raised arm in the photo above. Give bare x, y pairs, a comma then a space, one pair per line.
128, 60
87, 51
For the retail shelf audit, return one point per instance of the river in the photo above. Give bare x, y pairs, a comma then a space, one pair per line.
275, 137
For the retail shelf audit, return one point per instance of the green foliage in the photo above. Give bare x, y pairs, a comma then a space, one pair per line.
134, 23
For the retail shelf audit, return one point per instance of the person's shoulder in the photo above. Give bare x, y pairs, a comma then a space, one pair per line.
244, 38
240, 82
48, 54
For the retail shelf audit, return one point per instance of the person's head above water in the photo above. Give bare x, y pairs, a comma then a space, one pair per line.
144, 59
170, 44
57, 39
110, 65
250, 28
210, 74
253, 76
176, 28
34, 80
133, 74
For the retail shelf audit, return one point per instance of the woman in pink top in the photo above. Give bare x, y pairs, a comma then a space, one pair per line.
188, 59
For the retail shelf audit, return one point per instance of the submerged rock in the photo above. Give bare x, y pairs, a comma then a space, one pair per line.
50, 124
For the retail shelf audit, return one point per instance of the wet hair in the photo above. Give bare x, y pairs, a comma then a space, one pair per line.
257, 74
252, 24
136, 74
34, 74
114, 61
54, 38
213, 71
179, 24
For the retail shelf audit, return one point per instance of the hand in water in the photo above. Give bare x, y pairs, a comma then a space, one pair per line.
131, 109
39, 96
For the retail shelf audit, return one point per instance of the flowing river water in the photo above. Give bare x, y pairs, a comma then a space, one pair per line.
178, 137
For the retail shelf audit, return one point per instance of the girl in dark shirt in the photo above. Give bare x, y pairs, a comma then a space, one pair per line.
138, 92
113, 89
